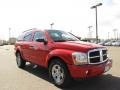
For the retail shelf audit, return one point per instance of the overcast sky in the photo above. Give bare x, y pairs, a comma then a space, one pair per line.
68, 15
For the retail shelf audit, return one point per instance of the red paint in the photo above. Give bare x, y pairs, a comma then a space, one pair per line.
42, 53
93, 70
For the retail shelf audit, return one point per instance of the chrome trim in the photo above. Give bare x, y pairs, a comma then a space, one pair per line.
101, 55
104, 54
99, 62
94, 57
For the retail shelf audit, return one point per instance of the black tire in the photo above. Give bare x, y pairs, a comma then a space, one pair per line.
20, 62
59, 71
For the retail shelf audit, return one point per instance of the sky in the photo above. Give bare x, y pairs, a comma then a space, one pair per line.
69, 15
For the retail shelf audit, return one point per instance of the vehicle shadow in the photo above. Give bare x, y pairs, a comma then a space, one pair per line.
38, 71
104, 82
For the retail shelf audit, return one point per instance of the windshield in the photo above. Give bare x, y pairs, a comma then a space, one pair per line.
58, 36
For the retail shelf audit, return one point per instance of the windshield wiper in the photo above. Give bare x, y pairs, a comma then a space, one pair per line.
72, 40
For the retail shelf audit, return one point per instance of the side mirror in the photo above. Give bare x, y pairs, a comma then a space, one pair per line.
41, 40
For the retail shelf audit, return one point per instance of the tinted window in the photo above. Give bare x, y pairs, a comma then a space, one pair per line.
27, 36
38, 35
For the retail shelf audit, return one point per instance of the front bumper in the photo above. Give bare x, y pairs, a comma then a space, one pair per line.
89, 70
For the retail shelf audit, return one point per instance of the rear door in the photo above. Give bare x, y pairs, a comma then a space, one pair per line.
26, 45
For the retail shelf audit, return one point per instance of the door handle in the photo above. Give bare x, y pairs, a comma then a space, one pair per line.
32, 47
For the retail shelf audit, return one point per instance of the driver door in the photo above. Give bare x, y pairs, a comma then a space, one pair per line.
38, 49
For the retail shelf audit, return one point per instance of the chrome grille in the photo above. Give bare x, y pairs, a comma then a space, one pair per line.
96, 56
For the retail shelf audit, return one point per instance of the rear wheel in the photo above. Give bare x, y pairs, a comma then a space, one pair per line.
20, 62
59, 74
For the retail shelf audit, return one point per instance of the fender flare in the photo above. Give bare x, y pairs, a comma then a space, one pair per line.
64, 55
18, 49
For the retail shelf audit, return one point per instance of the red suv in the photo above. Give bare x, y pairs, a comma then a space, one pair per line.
64, 55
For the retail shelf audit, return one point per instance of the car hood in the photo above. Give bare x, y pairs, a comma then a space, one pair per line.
77, 45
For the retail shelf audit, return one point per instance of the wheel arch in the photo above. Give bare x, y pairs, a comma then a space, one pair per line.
61, 54
17, 51
54, 58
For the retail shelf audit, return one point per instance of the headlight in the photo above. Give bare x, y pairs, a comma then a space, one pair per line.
79, 58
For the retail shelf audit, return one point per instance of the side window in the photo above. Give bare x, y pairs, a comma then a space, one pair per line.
27, 36
20, 38
38, 35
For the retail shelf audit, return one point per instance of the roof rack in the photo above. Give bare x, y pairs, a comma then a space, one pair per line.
29, 30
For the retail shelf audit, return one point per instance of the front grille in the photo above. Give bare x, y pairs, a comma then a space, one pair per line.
95, 53
96, 56
95, 60
104, 57
104, 53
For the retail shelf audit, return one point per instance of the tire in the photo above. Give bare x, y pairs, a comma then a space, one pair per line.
20, 62
59, 73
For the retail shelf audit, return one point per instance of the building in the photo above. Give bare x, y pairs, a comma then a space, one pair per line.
1, 42
12, 40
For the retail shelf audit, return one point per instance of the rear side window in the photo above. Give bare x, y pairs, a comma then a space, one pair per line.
27, 36
20, 38
38, 35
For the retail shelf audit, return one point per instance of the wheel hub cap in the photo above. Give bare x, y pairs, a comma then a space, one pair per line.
58, 74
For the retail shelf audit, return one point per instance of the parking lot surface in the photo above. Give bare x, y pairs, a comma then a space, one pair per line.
31, 78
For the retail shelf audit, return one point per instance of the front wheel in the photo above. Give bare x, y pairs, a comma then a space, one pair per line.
20, 62
59, 74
